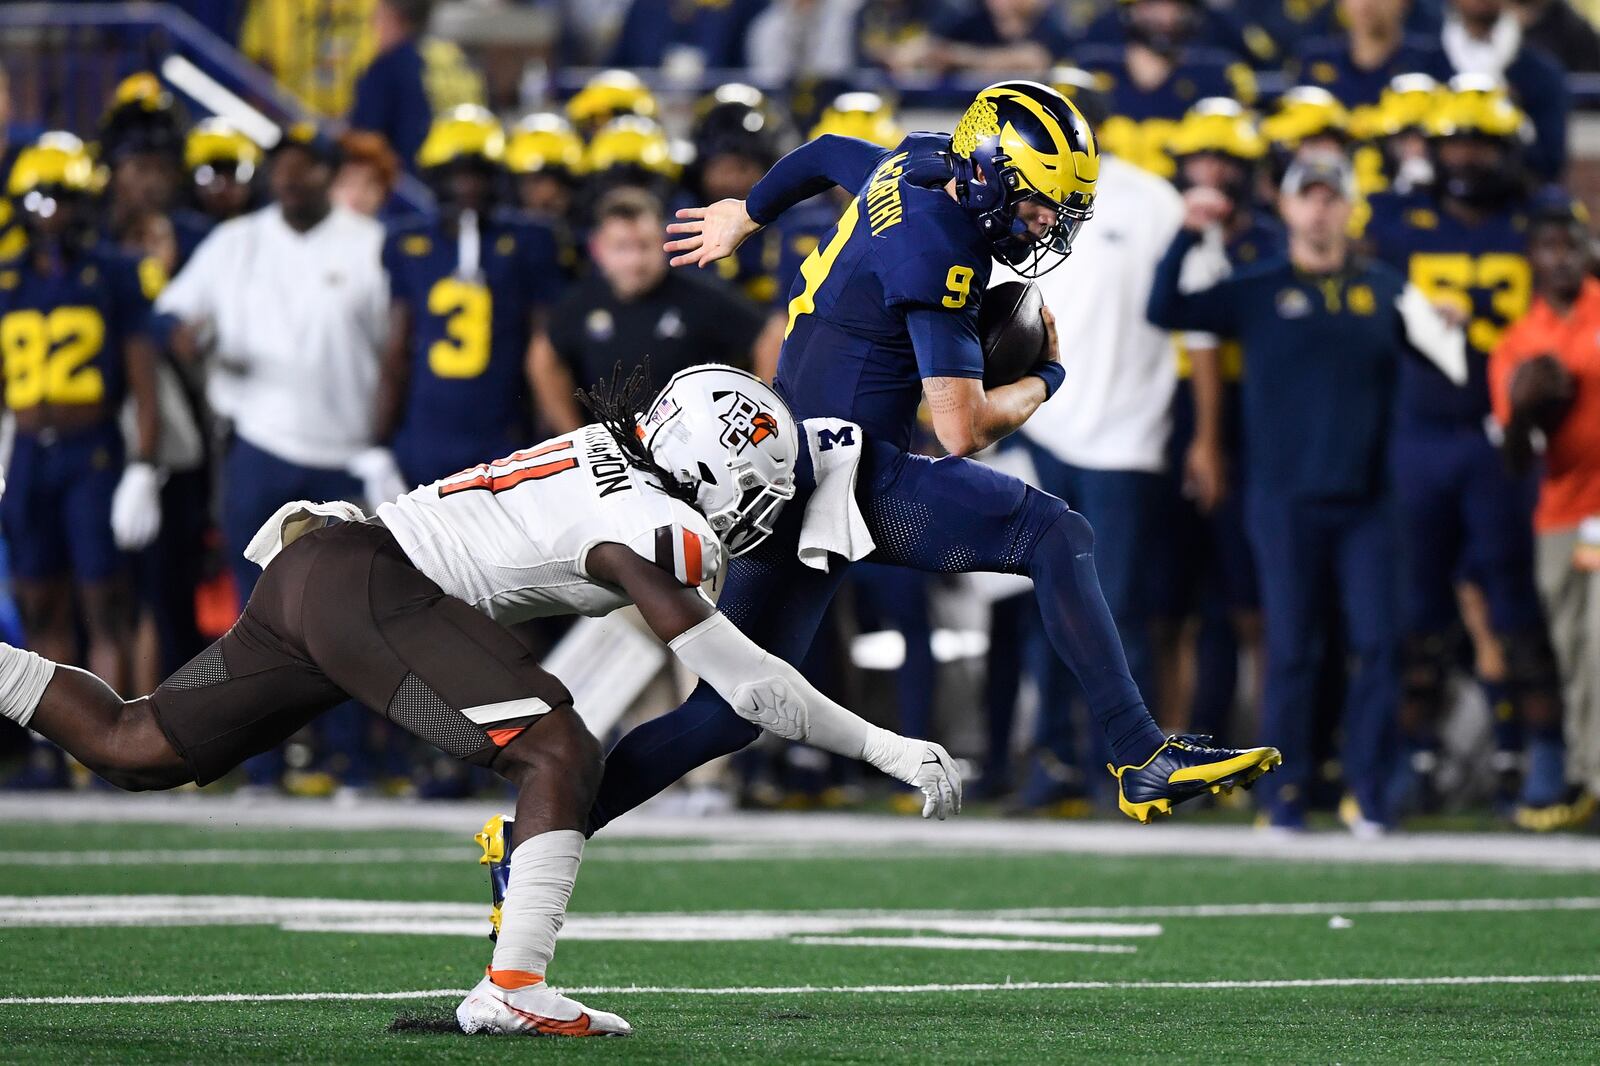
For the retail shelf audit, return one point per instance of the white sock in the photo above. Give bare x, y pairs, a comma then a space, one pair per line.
23, 677
543, 871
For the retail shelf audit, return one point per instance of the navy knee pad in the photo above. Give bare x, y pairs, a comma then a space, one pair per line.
1056, 523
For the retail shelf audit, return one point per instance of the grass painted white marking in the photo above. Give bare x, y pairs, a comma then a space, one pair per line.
471, 919
661, 990
238, 857
468, 919
976, 943
832, 832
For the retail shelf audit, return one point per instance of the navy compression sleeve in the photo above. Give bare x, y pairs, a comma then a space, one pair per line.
812, 168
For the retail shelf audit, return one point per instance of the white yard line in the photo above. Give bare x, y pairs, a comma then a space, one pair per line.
398, 915
378, 917
238, 857
803, 835
962, 943
1010, 986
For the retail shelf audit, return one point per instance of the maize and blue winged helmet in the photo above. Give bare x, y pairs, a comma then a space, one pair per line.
1022, 141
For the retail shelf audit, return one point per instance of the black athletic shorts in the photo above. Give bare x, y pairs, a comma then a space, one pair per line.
341, 613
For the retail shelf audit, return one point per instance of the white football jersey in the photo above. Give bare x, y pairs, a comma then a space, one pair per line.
511, 537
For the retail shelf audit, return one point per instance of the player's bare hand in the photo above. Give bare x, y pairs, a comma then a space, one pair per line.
1204, 206
939, 778
1052, 343
1205, 475
706, 234
1454, 314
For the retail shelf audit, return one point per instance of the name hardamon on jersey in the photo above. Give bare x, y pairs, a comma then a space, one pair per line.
510, 537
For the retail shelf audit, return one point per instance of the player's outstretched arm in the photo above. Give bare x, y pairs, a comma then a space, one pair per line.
766, 690
702, 235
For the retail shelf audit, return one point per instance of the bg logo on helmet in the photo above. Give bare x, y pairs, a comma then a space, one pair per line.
746, 421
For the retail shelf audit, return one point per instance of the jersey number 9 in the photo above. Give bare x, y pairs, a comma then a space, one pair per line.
46, 354
464, 305
959, 282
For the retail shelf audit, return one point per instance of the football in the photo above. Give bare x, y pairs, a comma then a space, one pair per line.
1011, 327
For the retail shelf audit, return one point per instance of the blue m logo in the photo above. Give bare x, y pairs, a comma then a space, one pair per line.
827, 438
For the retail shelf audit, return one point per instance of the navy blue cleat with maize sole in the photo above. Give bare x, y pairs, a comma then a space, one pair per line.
1184, 767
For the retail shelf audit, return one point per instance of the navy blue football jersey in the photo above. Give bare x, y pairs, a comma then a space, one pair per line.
1326, 62
1142, 121
1480, 268
898, 248
800, 231
62, 335
469, 335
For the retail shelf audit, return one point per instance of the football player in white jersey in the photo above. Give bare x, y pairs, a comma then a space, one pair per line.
407, 611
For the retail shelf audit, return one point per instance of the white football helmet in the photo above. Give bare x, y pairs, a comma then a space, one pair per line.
729, 436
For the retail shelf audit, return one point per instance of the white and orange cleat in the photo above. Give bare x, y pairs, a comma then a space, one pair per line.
534, 1009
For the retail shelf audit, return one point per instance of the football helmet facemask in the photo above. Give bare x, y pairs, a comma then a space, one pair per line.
728, 436
1022, 141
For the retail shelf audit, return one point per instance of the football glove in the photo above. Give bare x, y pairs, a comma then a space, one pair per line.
136, 507
379, 474
921, 764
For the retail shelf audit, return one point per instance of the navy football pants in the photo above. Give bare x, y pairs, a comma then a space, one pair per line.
1465, 518
949, 515
1124, 506
1311, 554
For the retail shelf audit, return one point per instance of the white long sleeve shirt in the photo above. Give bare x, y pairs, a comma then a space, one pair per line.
1113, 410
298, 321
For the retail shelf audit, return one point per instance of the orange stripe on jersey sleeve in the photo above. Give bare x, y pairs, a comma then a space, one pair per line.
502, 737
691, 559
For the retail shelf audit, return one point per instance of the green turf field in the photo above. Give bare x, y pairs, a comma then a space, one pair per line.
1176, 959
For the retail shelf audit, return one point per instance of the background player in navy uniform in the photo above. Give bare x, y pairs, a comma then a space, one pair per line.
72, 316
735, 140
1467, 519
222, 164
1324, 337
1368, 50
1153, 73
466, 286
883, 314
412, 79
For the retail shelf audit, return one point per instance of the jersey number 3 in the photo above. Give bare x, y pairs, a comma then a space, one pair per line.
534, 464
464, 306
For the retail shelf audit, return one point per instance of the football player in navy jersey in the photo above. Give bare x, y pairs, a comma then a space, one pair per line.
1154, 73
1373, 47
222, 164
735, 140
466, 285
545, 156
72, 328
1396, 123
1468, 520
864, 116
883, 315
